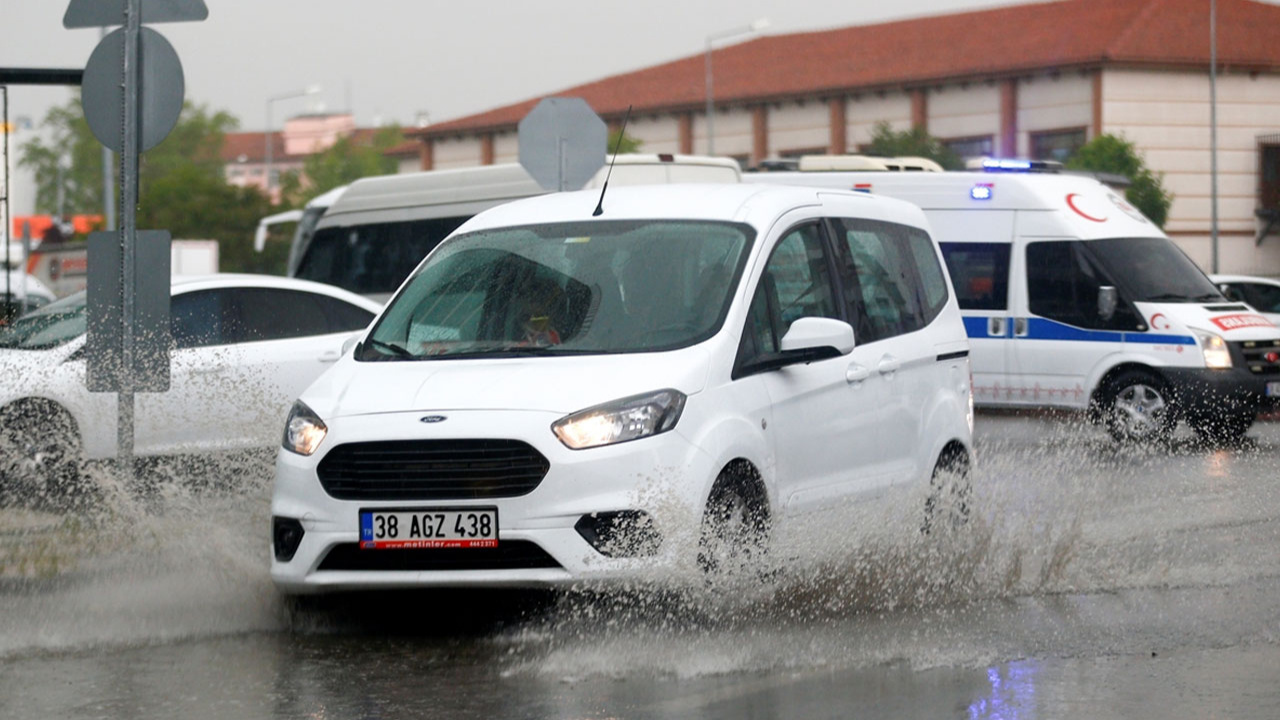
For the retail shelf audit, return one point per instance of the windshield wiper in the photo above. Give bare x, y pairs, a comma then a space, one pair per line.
394, 349
508, 351
1169, 297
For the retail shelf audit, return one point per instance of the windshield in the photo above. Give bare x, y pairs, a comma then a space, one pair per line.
50, 326
372, 259
601, 287
1152, 269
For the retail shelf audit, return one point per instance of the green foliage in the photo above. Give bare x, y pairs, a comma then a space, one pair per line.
1112, 154
916, 142
628, 144
344, 162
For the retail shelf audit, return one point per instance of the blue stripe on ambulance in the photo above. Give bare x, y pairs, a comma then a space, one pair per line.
1042, 329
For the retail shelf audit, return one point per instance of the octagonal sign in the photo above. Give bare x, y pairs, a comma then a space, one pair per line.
562, 143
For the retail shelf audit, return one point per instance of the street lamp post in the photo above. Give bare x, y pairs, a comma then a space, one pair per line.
310, 90
751, 29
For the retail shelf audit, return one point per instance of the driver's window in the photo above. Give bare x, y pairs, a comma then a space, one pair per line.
796, 283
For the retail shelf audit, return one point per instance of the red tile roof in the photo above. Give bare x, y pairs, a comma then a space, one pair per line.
985, 43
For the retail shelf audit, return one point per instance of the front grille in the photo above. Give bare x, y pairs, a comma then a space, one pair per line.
432, 470
509, 555
1254, 354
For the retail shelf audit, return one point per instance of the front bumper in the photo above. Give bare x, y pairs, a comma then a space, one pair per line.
664, 476
1202, 392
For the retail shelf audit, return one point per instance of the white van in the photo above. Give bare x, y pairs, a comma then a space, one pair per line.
556, 395
1073, 299
378, 229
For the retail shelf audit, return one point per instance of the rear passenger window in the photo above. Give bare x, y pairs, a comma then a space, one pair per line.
979, 273
932, 279
273, 314
884, 293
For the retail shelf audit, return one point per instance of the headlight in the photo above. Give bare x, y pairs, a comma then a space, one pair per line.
1216, 353
304, 430
630, 418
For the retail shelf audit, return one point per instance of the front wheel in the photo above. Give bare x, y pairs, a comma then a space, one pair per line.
735, 527
1138, 408
38, 456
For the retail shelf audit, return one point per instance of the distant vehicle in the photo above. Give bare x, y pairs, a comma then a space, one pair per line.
555, 397
306, 220
378, 229
1073, 299
244, 347
1260, 292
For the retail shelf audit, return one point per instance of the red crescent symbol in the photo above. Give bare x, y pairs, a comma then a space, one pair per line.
1071, 204
1155, 326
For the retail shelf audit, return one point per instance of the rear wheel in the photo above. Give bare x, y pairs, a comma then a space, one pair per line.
735, 526
38, 456
950, 492
1138, 408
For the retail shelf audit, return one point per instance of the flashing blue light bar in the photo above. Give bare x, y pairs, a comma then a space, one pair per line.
981, 191
1005, 164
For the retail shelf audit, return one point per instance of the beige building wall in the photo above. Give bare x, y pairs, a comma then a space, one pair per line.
863, 112
795, 127
964, 111
733, 133
506, 148
1167, 115
456, 153
657, 134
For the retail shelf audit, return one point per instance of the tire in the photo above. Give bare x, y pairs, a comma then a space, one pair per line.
950, 492
734, 538
1139, 408
39, 456
1229, 430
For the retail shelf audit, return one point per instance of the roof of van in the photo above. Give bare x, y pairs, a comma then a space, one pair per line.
754, 204
466, 191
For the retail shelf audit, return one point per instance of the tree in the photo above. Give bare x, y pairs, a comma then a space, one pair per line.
1111, 154
627, 145
916, 142
344, 162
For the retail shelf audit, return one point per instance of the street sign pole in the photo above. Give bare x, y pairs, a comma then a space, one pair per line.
128, 232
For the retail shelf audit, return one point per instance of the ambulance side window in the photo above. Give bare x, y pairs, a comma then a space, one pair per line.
979, 273
1062, 285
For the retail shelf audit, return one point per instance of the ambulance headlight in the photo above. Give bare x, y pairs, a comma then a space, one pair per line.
1216, 353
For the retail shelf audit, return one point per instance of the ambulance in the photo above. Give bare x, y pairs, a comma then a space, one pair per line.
1073, 299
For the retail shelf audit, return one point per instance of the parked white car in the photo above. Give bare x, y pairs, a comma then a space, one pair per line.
244, 347
554, 396
1260, 292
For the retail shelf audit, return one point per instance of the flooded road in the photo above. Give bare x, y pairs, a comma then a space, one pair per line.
1093, 581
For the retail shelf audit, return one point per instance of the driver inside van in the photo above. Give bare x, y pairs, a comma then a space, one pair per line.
535, 311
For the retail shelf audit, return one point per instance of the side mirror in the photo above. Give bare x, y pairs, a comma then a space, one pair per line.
815, 334
1108, 299
350, 343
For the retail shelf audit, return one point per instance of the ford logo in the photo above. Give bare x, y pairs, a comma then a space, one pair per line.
430, 419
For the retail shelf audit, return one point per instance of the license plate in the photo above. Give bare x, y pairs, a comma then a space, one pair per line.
429, 528
1273, 388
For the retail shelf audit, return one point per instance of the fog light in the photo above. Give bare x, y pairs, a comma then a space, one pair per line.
286, 536
626, 533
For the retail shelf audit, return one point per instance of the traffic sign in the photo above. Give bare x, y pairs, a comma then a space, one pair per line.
160, 89
562, 143
105, 369
107, 13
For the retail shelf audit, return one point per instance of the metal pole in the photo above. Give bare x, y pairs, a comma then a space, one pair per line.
267, 180
8, 280
128, 232
711, 109
108, 192
1213, 130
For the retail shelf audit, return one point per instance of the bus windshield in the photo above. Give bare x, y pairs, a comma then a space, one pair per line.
371, 259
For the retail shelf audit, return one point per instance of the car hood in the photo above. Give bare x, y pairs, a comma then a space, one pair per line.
1233, 321
551, 384
22, 372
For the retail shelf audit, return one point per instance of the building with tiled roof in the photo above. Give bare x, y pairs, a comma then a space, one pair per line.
1033, 80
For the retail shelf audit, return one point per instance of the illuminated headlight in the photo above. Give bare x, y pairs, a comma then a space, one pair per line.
304, 430
630, 418
1216, 353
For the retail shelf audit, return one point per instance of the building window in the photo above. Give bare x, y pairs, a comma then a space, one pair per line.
1269, 174
971, 147
1056, 144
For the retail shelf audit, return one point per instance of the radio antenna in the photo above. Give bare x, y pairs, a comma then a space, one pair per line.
616, 146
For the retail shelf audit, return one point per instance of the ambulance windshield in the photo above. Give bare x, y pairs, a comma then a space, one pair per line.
1153, 269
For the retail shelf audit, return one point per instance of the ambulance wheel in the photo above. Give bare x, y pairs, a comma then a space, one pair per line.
1222, 430
1138, 408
